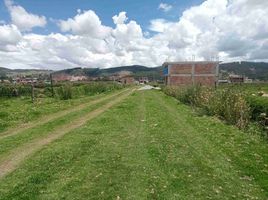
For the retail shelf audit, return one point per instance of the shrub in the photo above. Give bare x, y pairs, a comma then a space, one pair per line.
9, 90
100, 87
64, 92
258, 105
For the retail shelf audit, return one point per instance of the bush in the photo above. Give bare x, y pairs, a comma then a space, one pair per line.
8, 90
258, 105
100, 87
65, 92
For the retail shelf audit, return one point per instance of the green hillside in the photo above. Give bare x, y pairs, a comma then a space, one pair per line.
137, 71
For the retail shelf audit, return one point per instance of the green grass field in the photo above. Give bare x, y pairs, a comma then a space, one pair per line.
134, 145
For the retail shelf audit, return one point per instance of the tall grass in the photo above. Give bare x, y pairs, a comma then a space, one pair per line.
68, 91
9, 90
63, 91
227, 104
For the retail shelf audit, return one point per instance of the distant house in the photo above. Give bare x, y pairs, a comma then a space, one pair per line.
236, 78
191, 73
24, 80
127, 80
143, 80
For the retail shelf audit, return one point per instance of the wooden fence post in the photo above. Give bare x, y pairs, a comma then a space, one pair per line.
32, 87
51, 85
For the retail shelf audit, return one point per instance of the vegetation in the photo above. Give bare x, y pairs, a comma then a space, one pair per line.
67, 91
259, 106
241, 105
146, 147
14, 111
225, 103
8, 90
64, 91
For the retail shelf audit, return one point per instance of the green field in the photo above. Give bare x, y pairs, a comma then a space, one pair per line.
130, 145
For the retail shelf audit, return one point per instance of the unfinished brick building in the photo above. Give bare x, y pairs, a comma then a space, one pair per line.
191, 73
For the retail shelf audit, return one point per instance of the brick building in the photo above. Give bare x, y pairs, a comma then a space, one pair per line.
236, 79
127, 80
191, 73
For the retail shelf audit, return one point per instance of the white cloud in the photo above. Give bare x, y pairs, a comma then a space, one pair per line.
121, 18
85, 23
234, 29
159, 25
22, 19
165, 7
9, 37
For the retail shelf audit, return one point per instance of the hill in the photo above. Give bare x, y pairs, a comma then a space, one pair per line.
137, 71
253, 70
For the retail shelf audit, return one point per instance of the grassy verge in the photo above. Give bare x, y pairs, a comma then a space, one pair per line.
148, 147
235, 105
15, 111
9, 143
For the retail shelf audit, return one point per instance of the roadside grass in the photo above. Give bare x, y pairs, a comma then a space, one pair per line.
7, 144
15, 111
147, 147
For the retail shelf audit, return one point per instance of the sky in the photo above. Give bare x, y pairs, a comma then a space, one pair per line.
58, 34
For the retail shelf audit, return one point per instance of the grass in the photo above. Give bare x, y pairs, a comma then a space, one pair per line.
147, 147
251, 88
14, 141
14, 111
239, 105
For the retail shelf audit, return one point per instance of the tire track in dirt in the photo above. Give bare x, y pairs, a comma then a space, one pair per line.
48, 118
18, 155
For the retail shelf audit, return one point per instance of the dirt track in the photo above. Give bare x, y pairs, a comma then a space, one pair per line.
19, 154
54, 116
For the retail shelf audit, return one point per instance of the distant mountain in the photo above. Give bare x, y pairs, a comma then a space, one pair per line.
4, 70
253, 70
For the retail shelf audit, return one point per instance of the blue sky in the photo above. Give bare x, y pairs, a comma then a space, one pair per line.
140, 11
